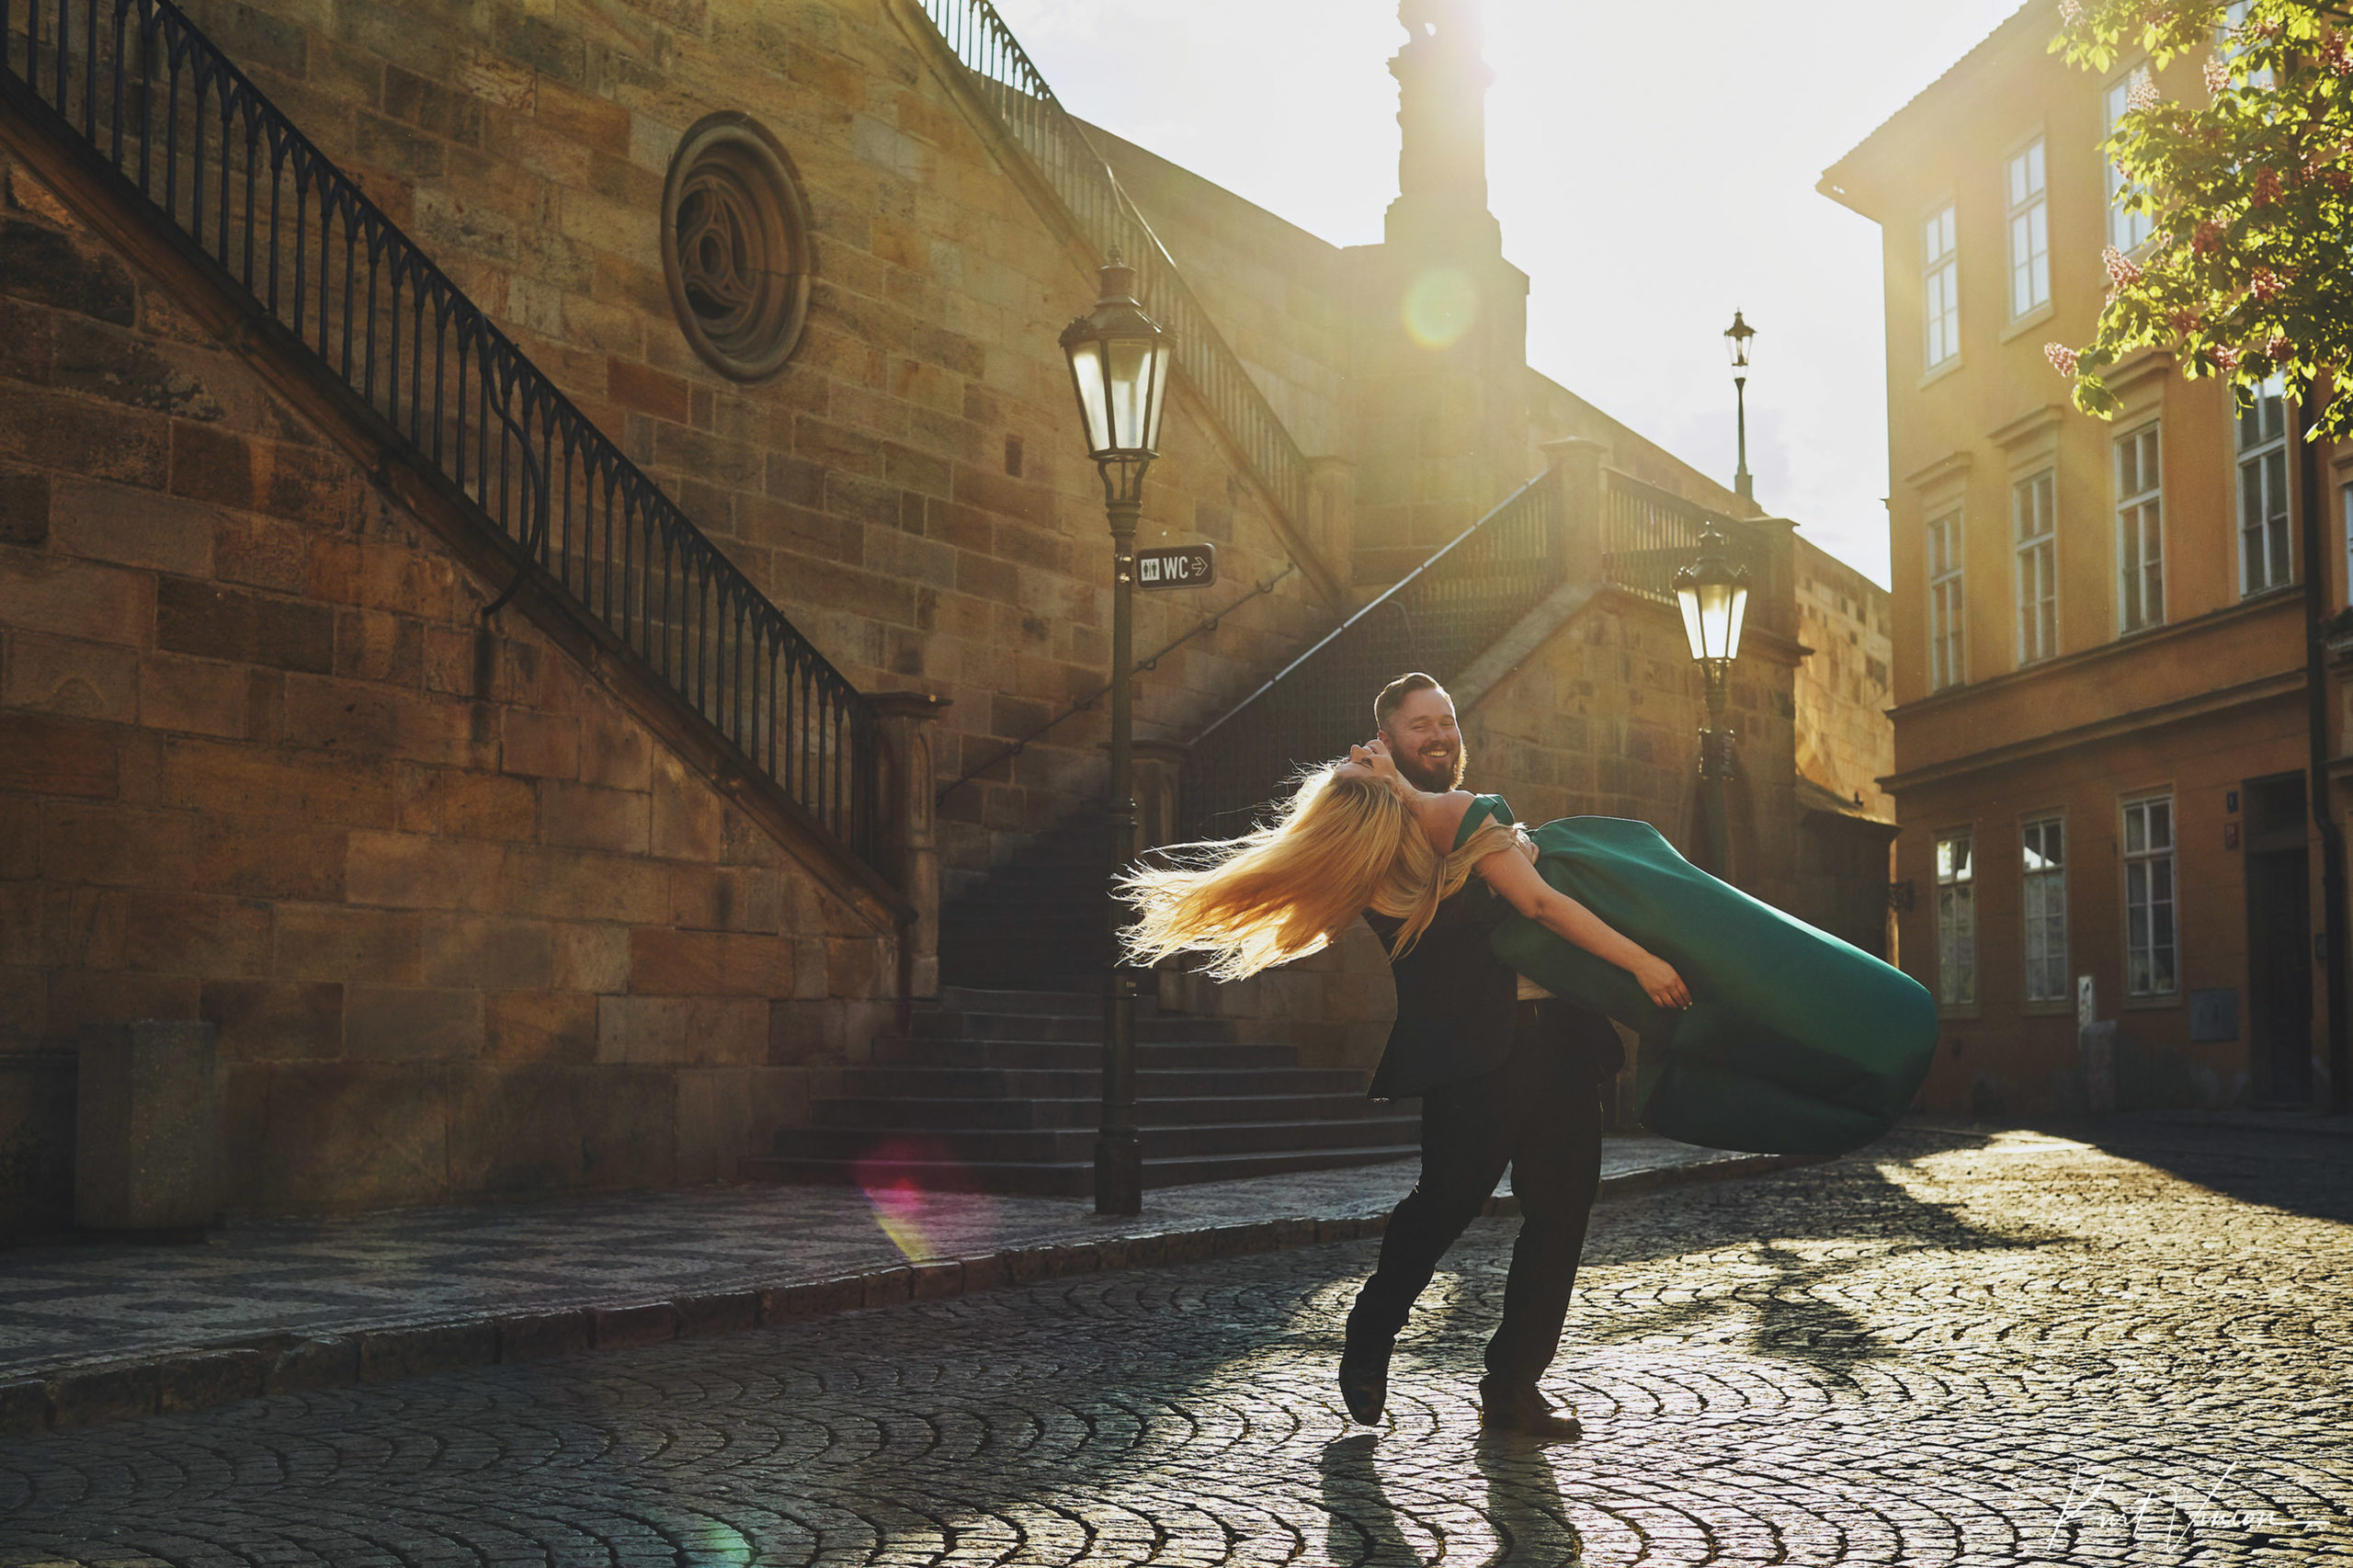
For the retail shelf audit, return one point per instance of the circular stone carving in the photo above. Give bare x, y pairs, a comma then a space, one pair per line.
736, 246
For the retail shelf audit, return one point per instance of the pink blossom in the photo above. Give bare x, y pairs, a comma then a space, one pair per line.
2266, 284
2070, 11
2267, 186
2122, 270
2337, 55
2218, 74
2278, 349
2207, 240
2143, 96
2186, 321
2226, 358
2063, 358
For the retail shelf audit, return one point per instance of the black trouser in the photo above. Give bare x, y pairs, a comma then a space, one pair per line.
1539, 1113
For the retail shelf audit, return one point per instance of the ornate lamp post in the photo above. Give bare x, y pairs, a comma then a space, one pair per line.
1119, 367
1737, 338
1714, 597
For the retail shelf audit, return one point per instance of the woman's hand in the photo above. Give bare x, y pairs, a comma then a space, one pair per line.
1659, 982
1373, 757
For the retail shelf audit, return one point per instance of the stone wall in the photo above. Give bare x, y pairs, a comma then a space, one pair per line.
911, 488
1846, 740
464, 924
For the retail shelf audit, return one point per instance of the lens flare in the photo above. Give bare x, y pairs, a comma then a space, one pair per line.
911, 1185
1440, 306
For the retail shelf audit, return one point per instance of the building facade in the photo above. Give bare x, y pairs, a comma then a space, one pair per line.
2100, 735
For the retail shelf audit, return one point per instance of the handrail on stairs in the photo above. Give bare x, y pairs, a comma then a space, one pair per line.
160, 106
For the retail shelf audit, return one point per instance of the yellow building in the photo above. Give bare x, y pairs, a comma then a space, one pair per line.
2098, 637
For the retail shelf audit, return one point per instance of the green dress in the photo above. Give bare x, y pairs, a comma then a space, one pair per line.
1795, 1042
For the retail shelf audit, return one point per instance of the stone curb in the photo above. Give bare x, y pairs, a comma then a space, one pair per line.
103, 1391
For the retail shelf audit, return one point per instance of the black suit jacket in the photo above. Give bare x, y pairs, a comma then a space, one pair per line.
1455, 1000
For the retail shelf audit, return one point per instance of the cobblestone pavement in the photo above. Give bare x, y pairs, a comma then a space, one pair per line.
2006, 1349
63, 1304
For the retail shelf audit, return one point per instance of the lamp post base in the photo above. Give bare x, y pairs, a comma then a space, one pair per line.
1119, 1176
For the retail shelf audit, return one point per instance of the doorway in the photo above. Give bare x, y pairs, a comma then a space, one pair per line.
2280, 939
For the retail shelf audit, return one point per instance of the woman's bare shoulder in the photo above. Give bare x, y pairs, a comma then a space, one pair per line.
1441, 815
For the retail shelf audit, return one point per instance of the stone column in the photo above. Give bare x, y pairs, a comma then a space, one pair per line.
145, 1129
1331, 525
905, 843
1574, 464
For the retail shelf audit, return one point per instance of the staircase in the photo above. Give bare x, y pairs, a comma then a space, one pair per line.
1039, 922
999, 1091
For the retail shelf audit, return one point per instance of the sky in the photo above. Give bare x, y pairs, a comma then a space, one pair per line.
1647, 184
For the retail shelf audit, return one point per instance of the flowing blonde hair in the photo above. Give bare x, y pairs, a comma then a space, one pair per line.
1343, 843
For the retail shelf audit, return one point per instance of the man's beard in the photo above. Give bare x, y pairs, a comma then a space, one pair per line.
1437, 780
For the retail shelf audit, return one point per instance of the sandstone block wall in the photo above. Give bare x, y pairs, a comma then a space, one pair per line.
1846, 742
464, 925
912, 490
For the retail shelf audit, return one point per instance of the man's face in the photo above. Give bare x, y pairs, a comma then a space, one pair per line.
1425, 743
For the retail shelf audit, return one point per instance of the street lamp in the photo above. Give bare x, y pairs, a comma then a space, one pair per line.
1737, 338
1714, 597
1119, 367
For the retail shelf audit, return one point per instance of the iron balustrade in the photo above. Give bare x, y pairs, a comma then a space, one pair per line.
1001, 74
1438, 617
139, 85
1649, 534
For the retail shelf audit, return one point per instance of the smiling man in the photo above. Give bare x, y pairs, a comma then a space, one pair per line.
1507, 1074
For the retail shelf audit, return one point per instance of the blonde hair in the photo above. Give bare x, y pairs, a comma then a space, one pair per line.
1343, 843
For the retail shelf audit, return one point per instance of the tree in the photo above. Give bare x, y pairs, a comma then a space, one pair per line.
2247, 272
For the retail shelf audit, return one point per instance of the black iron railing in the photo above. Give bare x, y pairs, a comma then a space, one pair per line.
151, 95
1438, 617
1000, 72
1649, 534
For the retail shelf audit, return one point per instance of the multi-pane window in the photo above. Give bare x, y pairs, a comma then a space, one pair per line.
2151, 959
1945, 606
1940, 290
2126, 230
2046, 910
2230, 42
2032, 515
2263, 490
2030, 231
1956, 921
2140, 531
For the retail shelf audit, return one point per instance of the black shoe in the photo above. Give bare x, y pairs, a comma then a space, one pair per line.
1525, 1413
1364, 1384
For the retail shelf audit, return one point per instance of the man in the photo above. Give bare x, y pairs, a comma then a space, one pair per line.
1507, 1074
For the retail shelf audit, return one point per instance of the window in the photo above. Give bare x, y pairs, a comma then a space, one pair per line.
2228, 42
1941, 289
1956, 922
2264, 561
1945, 607
2149, 958
2046, 910
2126, 230
2139, 532
2031, 508
2030, 233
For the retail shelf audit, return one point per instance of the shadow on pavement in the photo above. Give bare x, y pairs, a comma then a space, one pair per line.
2296, 1172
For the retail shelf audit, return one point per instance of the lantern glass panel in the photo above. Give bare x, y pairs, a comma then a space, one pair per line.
1130, 365
1689, 596
1159, 394
1094, 404
1715, 617
1739, 615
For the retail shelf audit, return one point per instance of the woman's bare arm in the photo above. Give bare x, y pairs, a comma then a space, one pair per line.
1512, 877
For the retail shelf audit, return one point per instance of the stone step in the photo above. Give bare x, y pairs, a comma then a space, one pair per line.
1077, 1054
972, 998
885, 1082
1069, 1179
1021, 1144
1153, 1026
1082, 1111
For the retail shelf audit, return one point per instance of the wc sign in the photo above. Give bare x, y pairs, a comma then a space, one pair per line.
1177, 566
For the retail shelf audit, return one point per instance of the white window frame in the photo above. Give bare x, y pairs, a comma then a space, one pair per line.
2034, 508
1939, 288
2152, 885
2259, 435
2042, 845
1956, 875
2140, 529
1948, 603
2029, 212
2128, 231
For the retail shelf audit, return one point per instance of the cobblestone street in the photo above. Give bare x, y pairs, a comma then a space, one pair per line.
2003, 1348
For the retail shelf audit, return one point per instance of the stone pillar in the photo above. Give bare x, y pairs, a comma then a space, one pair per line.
1331, 522
145, 1129
905, 843
1159, 770
2096, 1044
1574, 464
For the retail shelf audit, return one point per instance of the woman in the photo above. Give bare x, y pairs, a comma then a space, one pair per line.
1759, 1032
